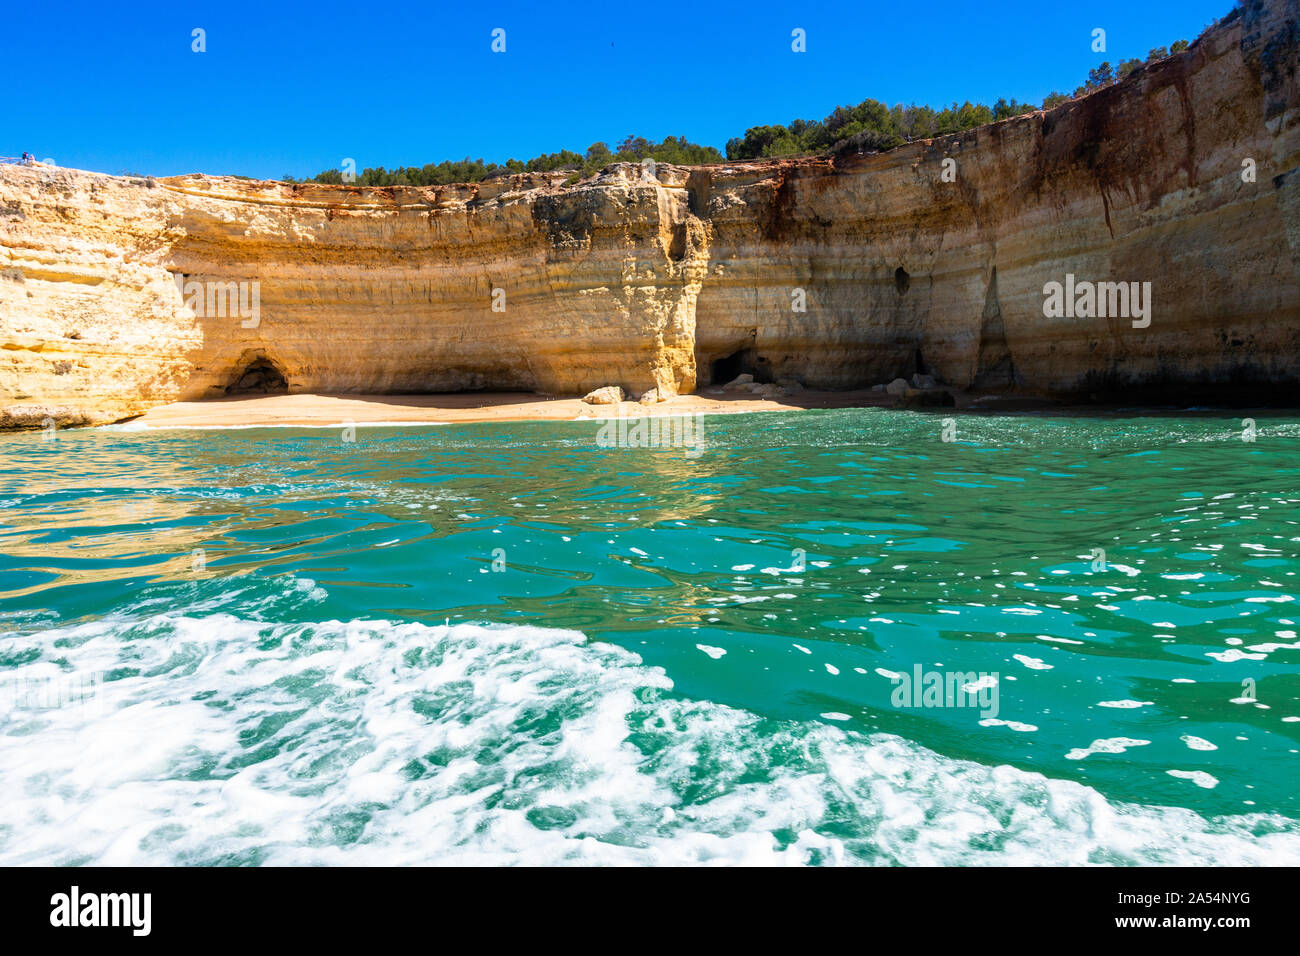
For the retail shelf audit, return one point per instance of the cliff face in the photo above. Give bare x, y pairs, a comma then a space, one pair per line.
675, 278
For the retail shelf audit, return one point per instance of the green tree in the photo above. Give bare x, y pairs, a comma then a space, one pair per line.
1100, 76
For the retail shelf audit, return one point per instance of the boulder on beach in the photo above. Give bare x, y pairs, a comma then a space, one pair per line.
609, 395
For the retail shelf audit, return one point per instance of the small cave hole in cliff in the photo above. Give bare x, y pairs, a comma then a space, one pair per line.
723, 370
902, 280
259, 376
677, 244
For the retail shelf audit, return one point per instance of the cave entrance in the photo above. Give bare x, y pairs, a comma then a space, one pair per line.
723, 370
259, 377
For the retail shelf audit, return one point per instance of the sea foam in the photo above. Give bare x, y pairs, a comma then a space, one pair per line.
216, 739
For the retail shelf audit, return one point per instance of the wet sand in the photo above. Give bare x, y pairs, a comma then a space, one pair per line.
308, 410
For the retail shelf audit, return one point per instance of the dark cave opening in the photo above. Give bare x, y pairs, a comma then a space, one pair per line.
259, 376
723, 370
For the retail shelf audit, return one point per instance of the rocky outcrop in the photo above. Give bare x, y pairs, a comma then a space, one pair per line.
834, 272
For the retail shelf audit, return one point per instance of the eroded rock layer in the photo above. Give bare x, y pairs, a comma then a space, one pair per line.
833, 272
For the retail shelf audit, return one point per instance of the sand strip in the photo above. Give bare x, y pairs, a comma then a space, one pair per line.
308, 410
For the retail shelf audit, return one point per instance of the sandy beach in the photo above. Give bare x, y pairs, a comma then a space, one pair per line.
318, 410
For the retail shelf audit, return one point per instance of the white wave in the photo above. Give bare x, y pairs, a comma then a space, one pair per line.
215, 739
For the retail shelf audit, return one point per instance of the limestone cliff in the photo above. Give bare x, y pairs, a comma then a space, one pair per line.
671, 279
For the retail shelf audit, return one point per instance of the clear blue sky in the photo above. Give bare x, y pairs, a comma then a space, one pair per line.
295, 88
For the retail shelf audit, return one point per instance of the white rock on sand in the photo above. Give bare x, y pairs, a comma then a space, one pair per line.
609, 395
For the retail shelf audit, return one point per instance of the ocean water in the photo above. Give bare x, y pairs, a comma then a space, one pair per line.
503, 643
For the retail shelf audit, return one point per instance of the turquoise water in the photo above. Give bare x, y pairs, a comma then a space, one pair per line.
504, 642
